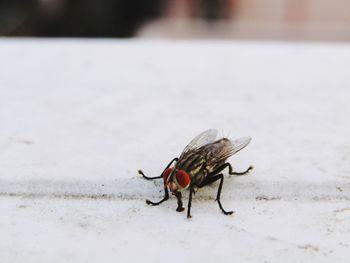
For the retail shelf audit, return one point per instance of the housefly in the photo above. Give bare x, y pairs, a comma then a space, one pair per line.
200, 164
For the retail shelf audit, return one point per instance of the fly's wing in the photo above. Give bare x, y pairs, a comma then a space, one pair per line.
239, 144
221, 150
204, 138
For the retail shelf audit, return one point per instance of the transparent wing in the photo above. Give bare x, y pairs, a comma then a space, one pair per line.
221, 150
239, 144
204, 138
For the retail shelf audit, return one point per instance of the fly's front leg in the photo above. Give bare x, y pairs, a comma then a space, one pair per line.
230, 170
157, 177
178, 195
189, 202
166, 197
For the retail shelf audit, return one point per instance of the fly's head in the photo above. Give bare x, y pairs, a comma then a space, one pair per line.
176, 179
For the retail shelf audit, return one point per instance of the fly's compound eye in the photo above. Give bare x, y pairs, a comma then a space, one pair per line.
182, 178
166, 174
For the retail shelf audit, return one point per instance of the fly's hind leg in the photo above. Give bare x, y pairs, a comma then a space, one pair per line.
230, 170
160, 176
211, 179
241, 173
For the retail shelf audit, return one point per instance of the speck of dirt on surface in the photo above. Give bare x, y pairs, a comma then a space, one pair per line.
309, 247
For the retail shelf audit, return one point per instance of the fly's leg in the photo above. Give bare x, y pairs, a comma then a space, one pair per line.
242, 173
211, 179
214, 176
166, 192
230, 170
189, 202
157, 177
166, 197
148, 178
178, 195
221, 177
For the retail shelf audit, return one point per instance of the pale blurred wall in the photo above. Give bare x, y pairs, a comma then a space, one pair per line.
255, 19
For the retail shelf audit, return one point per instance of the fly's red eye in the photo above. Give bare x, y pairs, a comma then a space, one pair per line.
182, 178
166, 174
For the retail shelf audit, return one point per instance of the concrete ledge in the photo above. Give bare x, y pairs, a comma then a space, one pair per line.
78, 118
139, 189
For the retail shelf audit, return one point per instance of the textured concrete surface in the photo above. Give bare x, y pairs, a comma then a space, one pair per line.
78, 118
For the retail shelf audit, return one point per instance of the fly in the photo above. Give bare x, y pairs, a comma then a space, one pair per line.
200, 164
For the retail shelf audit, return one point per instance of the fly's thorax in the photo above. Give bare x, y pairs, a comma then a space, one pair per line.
193, 163
226, 142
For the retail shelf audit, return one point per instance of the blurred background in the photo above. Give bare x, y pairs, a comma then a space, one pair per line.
241, 19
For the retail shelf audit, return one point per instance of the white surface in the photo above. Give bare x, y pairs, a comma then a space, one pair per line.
78, 118
42, 230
